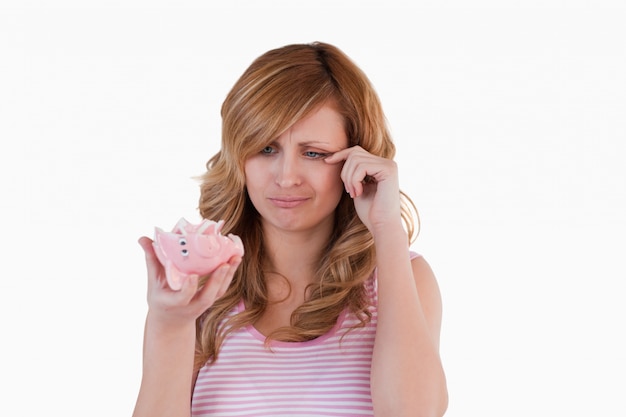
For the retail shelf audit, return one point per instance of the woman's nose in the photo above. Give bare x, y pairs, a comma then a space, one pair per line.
287, 171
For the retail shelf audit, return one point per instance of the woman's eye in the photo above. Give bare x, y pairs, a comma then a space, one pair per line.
267, 150
315, 155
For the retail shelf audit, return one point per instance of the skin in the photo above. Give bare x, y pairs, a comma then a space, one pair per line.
295, 183
296, 194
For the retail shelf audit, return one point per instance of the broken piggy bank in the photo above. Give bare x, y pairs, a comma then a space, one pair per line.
192, 249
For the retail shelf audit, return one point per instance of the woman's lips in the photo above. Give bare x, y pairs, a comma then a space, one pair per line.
288, 202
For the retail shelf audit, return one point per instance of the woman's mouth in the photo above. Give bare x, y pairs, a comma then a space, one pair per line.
288, 202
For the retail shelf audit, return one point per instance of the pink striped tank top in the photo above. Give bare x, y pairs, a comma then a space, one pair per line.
327, 376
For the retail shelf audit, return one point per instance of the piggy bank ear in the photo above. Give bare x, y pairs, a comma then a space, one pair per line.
181, 227
157, 245
209, 227
158, 235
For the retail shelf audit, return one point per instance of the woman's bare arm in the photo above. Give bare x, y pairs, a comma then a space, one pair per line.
407, 374
169, 338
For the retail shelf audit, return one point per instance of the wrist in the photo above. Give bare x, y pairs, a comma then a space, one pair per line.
160, 322
390, 232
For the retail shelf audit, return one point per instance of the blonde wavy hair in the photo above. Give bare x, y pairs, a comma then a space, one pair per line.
279, 88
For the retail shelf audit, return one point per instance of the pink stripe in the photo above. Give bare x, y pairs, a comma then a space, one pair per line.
362, 389
279, 381
358, 361
348, 395
311, 408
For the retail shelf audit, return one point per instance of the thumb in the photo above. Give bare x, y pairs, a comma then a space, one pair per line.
189, 287
152, 262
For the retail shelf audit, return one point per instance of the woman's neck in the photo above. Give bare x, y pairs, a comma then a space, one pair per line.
295, 255
292, 259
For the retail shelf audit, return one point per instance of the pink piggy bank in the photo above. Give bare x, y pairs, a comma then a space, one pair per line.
194, 249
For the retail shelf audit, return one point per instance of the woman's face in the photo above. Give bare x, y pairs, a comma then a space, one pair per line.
289, 183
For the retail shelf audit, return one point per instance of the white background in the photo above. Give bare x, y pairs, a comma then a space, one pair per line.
510, 123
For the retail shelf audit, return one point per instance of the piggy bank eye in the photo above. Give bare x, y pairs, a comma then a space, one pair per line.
183, 242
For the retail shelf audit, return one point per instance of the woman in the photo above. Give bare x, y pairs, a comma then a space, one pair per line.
328, 312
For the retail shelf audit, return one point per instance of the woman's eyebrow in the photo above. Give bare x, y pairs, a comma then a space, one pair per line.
313, 142
320, 143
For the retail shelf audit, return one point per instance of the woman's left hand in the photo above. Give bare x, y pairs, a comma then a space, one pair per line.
373, 183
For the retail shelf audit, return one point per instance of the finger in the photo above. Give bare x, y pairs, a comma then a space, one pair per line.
233, 265
357, 189
234, 261
342, 155
346, 175
188, 289
354, 173
208, 294
336, 157
146, 245
153, 264
225, 283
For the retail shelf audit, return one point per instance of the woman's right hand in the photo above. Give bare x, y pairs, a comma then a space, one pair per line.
177, 307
